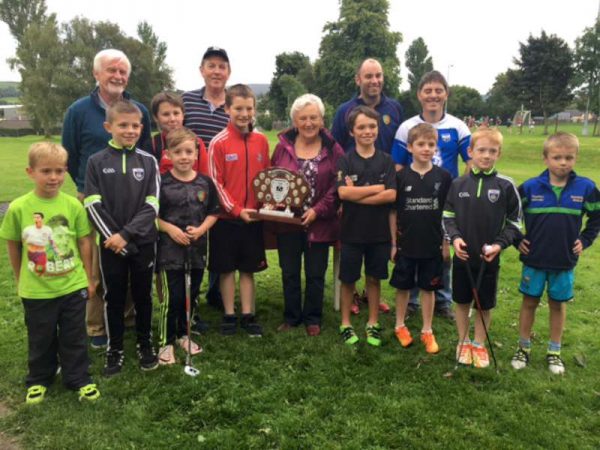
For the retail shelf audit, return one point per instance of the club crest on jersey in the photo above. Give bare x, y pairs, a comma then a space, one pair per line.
138, 173
386, 119
493, 195
201, 196
445, 137
231, 157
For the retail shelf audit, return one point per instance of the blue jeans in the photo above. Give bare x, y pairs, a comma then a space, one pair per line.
443, 297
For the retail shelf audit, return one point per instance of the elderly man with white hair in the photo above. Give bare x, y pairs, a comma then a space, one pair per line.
84, 134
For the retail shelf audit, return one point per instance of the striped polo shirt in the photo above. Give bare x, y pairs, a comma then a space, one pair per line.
201, 117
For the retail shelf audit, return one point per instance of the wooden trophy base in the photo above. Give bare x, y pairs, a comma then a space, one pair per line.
276, 216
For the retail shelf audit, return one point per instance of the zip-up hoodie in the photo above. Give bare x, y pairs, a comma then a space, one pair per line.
553, 222
483, 208
121, 194
326, 227
234, 159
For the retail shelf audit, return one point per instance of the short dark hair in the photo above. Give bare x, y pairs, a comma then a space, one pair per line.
422, 130
433, 77
168, 97
238, 90
122, 107
361, 109
41, 214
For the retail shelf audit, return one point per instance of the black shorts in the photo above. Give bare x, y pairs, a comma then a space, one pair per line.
425, 273
376, 261
461, 287
236, 245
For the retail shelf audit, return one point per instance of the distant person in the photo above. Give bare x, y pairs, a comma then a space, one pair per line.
188, 209
236, 155
367, 187
206, 115
554, 203
417, 233
84, 135
121, 197
54, 280
369, 79
453, 140
482, 216
309, 149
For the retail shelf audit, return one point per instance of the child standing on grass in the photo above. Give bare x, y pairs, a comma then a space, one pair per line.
188, 208
482, 216
236, 155
554, 203
366, 186
48, 229
121, 197
416, 225
168, 112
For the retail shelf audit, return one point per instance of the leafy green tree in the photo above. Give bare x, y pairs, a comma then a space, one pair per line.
19, 14
502, 99
587, 67
362, 31
465, 101
545, 70
297, 66
418, 62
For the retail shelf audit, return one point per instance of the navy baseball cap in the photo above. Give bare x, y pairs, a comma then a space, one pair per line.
215, 51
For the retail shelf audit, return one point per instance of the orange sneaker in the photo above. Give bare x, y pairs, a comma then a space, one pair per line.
463, 354
428, 340
404, 336
481, 360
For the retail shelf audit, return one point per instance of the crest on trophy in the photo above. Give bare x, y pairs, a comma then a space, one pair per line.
281, 192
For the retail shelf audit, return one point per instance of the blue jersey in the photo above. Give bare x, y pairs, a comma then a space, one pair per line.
454, 138
391, 115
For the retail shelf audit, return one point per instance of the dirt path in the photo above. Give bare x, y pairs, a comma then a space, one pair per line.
7, 442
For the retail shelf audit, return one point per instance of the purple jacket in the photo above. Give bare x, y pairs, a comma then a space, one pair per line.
326, 227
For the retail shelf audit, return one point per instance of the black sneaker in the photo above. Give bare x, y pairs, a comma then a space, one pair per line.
113, 362
444, 312
249, 324
229, 325
199, 327
147, 357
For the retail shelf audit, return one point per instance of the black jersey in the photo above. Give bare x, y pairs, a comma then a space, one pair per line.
419, 206
184, 203
363, 224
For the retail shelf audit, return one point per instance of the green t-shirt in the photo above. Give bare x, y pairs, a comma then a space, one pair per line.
50, 261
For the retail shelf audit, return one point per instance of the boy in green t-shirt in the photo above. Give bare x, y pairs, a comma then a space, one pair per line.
49, 247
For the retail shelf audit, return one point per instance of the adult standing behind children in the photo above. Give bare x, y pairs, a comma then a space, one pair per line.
84, 135
369, 78
205, 115
309, 149
454, 138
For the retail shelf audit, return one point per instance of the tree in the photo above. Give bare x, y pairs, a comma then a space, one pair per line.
418, 62
465, 101
361, 31
293, 65
19, 14
41, 63
502, 99
587, 67
544, 73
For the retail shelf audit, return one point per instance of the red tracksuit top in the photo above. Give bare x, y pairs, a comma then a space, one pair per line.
234, 159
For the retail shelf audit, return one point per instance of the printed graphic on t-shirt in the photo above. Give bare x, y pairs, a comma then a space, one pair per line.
49, 248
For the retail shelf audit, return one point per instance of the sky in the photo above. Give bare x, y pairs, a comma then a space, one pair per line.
470, 41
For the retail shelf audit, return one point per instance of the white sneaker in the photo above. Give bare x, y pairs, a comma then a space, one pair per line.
166, 355
555, 363
521, 359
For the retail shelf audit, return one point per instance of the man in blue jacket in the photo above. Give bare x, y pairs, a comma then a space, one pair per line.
83, 135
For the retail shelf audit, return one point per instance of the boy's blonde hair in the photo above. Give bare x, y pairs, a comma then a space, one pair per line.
490, 133
46, 151
122, 107
561, 139
422, 130
176, 137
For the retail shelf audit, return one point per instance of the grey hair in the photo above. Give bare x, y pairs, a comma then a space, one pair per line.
305, 100
110, 54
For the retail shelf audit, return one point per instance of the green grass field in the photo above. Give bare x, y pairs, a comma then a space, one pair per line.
290, 391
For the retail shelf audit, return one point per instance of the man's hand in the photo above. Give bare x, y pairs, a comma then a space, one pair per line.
489, 252
460, 249
245, 215
116, 243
